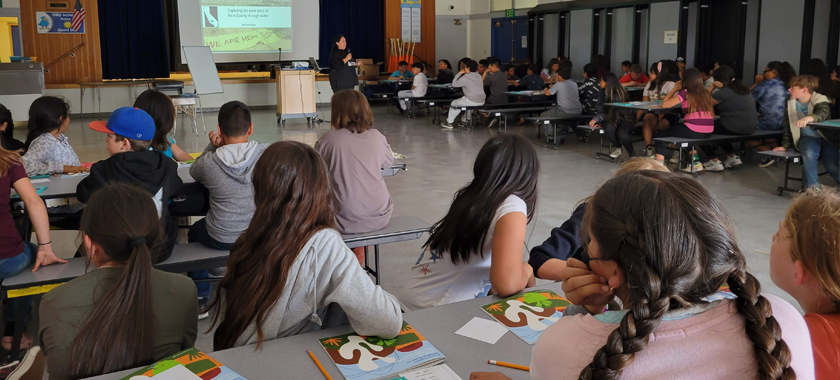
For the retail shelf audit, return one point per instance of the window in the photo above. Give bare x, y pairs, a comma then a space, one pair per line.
501, 5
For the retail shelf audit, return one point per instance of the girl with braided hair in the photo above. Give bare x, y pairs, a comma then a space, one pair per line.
662, 245
805, 262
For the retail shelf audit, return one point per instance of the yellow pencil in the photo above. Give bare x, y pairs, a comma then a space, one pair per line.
314, 359
514, 366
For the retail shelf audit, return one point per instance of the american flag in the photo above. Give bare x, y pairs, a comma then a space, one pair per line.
78, 16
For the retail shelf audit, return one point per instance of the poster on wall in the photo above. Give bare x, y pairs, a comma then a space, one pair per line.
670, 37
411, 20
57, 23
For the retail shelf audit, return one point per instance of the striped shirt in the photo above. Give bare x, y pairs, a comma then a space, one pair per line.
700, 122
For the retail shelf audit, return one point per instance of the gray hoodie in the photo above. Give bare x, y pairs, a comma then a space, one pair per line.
326, 272
226, 173
472, 85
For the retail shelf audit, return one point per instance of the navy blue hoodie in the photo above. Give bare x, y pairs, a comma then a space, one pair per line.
563, 243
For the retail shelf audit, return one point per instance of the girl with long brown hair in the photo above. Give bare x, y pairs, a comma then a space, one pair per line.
699, 114
662, 245
124, 313
290, 265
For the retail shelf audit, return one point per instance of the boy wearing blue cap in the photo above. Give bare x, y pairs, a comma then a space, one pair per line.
128, 132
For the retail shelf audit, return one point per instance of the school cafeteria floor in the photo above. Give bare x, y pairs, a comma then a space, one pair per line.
440, 161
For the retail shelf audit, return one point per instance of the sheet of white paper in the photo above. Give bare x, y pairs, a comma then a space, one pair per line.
39, 180
74, 175
438, 372
177, 372
483, 330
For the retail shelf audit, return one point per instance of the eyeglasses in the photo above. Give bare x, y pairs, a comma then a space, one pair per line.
767, 71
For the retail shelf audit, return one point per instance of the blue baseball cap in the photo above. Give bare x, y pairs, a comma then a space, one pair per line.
129, 122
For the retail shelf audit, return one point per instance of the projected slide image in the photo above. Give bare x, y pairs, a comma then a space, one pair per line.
247, 25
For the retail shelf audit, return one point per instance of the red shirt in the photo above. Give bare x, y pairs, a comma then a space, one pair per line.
11, 244
627, 79
825, 338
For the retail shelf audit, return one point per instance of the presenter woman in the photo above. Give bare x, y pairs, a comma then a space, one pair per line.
342, 69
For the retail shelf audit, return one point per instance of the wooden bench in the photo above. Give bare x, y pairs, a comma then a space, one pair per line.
680, 142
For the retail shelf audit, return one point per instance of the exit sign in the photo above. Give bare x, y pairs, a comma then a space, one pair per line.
510, 13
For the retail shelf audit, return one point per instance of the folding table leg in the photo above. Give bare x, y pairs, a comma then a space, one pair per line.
14, 354
376, 260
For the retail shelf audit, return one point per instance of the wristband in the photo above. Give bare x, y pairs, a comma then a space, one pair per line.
47, 243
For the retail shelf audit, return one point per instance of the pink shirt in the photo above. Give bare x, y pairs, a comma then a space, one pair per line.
709, 345
700, 122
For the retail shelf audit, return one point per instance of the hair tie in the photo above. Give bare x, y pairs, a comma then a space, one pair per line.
138, 241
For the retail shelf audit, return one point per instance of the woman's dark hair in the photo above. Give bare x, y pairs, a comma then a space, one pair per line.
551, 63
784, 69
336, 40
119, 331
669, 72
351, 111
676, 246
654, 68
45, 115
817, 68
726, 75
162, 111
6, 117
614, 92
506, 165
600, 61
446, 62
294, 201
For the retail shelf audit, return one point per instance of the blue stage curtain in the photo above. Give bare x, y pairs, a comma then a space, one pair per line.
133, 39
362, 22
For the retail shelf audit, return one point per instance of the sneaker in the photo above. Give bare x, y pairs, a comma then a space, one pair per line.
732, 161
446, 125
698, 167
32, 360
767, 162
493, 123
713, 165
675, 158
650, 153
615, 153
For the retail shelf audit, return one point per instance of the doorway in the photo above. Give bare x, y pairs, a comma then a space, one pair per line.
509, 39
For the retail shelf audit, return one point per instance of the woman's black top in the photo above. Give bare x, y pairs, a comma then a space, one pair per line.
342, 75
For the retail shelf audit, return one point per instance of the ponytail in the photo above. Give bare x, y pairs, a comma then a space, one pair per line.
118, 333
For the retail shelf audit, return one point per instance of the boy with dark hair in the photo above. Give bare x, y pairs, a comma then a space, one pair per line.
510, 70
402, 72
533, 81
497, 81
589, 89
806, 106
418, 88
482, 66
625, 67
472, 85
128, 133
568, 99
635, 78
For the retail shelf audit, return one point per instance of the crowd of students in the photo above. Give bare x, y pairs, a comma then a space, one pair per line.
634, 265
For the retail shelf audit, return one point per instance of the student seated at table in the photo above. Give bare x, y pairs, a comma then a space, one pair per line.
16, 254
355, 154
48, 150
770, 92
445, 74
132, 163
635, 77
616, 122
160, 108
589, 89
512, 78
564, 242
738, 116
698, 108
667, 75
549, 73
625, 67
804, 106
124, 313
521, 69
497, 81
482, 66
805, 262
665, 257
533, 81
290, 266
470, 82
568, 99
7, 128
418, 88
477, 247
402, 72
707, 73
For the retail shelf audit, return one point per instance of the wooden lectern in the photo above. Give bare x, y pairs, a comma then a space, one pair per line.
295, 95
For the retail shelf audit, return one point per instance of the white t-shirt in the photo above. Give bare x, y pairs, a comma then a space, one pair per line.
421, 85
435, 280
654, 95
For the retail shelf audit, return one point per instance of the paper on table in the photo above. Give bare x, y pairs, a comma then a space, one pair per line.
438, 372
177, 372
39, 180
483, 330
74, 175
